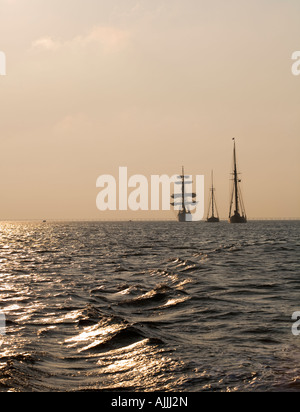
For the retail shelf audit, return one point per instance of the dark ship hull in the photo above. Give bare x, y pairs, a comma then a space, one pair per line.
182, 215
237, 218
213, 219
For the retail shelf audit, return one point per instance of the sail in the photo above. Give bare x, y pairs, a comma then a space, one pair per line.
179, 195
182, 200
213, 214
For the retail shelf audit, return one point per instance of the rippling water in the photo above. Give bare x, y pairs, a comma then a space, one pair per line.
142, 306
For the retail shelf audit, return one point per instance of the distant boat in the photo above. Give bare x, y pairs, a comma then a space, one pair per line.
239, 213
181, 200
212, 207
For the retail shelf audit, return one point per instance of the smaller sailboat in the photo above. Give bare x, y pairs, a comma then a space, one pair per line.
239, 214
212, 207
182, 201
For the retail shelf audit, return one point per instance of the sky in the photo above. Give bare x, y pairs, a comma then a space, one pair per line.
94, 85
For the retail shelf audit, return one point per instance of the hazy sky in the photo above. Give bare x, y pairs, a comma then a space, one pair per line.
92, 85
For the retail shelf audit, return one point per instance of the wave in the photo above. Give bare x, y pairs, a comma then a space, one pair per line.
121, 338
116, 307
157, 297
19, 373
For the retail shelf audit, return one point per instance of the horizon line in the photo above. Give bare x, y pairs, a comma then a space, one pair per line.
140, 220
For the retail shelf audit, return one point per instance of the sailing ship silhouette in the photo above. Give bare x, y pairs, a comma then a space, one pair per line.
182, 199
237, 212
214, 217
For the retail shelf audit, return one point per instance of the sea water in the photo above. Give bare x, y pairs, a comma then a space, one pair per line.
149, 306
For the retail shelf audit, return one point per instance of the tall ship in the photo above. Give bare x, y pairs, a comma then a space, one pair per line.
237, 213
181, 199
212, 215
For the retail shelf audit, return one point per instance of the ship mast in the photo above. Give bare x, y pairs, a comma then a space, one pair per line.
239, 215
182, 189
235, 180
212, 203
212, 195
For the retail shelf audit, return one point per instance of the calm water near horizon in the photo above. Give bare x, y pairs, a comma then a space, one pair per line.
149, 306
